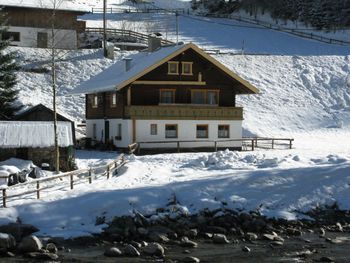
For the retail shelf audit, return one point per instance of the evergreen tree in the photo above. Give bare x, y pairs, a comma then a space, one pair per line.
8, 66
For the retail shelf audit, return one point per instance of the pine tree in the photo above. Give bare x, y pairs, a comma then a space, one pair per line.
8, 66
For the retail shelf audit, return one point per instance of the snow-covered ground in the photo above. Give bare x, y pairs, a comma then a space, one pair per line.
305, 94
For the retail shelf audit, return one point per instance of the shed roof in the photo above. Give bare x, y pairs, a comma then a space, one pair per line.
34, 134
44, 4
116, 77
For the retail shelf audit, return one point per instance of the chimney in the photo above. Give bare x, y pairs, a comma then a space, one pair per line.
154, 43
127, 63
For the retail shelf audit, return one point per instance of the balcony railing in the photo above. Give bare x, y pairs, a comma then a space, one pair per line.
184, 112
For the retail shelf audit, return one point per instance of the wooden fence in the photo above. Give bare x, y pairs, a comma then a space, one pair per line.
113, 10
84, 174
247, 143
124, 33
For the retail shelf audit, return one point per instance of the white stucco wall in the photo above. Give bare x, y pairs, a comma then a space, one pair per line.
187, 132
64, 39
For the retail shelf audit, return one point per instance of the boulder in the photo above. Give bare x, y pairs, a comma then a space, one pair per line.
190, 260
158, 237
113, 252
18, 230
51, 247
7, 241
185, 242
30, 244
220, 239
131, 251
154, 249
251, 236
246, 249
42, 255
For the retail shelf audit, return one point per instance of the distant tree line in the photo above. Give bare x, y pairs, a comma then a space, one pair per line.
321, 14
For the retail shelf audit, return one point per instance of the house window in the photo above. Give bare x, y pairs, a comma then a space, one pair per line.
114, 100
205, 97
198, 96
171, 131
119, 132
187, 68
12, 36
223, 131
95, 101
153, 129
173, 68
202, 131
167, 96
94, 131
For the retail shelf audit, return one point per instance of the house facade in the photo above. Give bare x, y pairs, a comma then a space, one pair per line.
30, 25
168, 94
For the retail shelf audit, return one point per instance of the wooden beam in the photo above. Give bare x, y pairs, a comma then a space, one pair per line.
156, 82
129, 96
133, 130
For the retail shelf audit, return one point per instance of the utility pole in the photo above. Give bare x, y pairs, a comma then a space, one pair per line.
177, 26
104, 28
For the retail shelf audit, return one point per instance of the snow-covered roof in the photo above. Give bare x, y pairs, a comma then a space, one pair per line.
45, 4
116, 77
16, 134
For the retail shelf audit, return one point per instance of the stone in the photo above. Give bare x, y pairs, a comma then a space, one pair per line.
43, 256
220, 239
339, 227
158, 237
7, 241
51, 247
207, 235
154, 249
191, 233
113, 252
322, 232
185, 242
18, 230
190, 260
326, 259
273, 237
251, 236
276, 243
216, 230
30, 244
246, 249
142, 231
131, 251
136, 244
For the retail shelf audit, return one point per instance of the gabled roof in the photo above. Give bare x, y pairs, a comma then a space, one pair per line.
116, 78
44, 4
39, 107
34, 134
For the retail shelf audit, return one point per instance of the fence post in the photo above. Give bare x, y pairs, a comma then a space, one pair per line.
290, 144
90, 176
253, 145
216, 146
178, 146
71, 181
256, 142
139, 149
4, 197
38, 190
107, 171
272, 143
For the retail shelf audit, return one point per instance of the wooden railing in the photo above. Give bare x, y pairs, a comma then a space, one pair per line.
247, 143
184, 111
113, 10
86, 174
124, 33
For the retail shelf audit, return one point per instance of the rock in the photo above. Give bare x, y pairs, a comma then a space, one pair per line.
186, 251
216, 230
220, 239
185, 242
43, 256
113, 252
7, 241
144, 243
339, 227
326, 259
294, 232
131, 251
276, 243
154, 249
272, 237
18, 230
191, 233
158, 237
136, 244
251, 236
322, 232
245, 249
142, 231
51, 247
190, 260
30, 244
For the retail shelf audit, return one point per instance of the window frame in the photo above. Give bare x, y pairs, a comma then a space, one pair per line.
183, 63
228, 131
205, 91
217, 95
177, 131
113, 100
11, 36
94, 131
206, 128
177, 67
165, 90
94, 101
155, 130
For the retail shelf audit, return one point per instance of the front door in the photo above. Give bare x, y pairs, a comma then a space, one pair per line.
42, 40
106, 131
